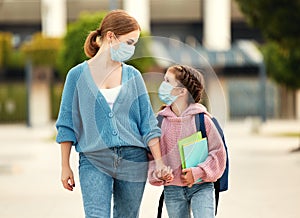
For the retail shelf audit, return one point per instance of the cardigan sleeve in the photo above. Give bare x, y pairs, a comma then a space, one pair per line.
213, 167
64, 123
148, 122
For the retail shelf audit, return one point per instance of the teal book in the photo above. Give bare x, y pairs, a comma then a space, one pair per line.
195, 153
193, 150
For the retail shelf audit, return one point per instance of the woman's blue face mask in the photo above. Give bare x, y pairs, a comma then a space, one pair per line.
123, 53
164, 93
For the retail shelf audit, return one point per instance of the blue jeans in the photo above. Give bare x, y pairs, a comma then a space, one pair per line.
119, 172
200, 199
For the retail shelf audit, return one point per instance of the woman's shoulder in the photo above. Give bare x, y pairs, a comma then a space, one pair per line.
131, 70
76, 71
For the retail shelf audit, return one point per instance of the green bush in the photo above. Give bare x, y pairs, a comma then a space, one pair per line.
56, 91
13, 102
16, 60
5, 48
42, 50
10, 58
72, 52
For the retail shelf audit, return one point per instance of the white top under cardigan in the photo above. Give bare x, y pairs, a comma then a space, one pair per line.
111, 95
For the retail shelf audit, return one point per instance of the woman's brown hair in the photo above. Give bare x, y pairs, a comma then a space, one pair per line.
117, 21
191, 79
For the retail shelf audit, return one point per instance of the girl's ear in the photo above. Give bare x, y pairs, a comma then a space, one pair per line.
183, 92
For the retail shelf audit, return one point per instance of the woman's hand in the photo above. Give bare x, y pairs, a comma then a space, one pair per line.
163, 172
187, 177
67, 178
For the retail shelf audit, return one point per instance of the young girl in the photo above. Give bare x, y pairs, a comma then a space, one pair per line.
181, 90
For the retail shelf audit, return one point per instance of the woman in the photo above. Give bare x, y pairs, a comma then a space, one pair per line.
106, 114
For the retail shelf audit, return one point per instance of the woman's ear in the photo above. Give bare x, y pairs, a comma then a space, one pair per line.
109, 36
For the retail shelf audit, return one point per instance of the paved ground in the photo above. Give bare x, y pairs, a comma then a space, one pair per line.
264, 174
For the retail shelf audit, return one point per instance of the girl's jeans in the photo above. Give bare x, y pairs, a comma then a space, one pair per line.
200, 198
120, 172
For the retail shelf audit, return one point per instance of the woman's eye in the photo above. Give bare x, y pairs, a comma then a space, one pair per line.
130, 42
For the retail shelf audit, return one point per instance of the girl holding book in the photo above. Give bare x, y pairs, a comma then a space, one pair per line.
192, 189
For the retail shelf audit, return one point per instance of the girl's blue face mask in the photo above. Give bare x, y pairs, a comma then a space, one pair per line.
164, 93
122, 53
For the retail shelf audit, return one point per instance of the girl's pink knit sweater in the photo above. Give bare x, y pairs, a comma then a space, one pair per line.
175, 128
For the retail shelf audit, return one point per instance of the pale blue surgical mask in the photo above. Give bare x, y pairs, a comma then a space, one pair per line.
123, 53
164, 93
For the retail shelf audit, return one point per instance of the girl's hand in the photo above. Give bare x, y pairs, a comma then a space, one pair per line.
67, 178
187, 177
164, 172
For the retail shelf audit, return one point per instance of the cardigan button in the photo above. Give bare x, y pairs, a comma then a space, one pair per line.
111, 114
115, 132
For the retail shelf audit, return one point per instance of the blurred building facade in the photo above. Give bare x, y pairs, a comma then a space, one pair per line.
177, 19
168, 18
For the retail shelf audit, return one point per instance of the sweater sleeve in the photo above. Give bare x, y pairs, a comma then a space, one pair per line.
148, 122
213, 167
64, 123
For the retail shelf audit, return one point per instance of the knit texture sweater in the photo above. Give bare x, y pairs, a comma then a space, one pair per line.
86, 119
174, 128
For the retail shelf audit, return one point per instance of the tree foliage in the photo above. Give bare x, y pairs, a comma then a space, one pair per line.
278, 21
5, 48
283, 64
72, 51
42, 50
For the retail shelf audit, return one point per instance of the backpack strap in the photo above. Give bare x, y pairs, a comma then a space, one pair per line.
160, 205
200, 124
159, 120
161, 199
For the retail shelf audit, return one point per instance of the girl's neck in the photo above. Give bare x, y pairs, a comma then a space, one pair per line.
178, 107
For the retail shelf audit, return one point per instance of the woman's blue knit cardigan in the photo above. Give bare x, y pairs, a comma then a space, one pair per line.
86, 119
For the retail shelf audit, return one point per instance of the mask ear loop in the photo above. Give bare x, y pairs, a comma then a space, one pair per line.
183, 70
110, 43
116, 38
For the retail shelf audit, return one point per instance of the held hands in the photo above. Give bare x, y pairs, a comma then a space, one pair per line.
67, 178
187, 177
164, 172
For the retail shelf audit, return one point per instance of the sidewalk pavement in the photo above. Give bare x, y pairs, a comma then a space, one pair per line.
264, 174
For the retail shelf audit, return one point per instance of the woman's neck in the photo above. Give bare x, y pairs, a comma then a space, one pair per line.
178, 107
105, 72
103, 60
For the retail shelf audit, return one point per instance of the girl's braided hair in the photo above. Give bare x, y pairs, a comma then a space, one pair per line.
191, 79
